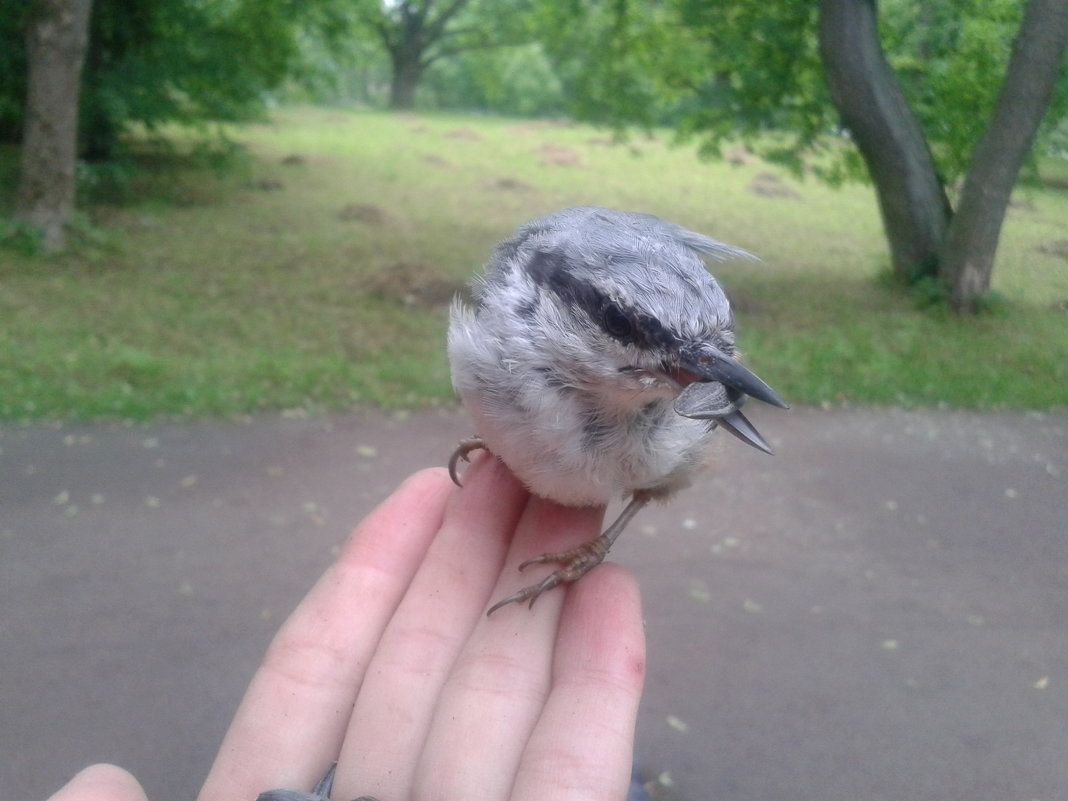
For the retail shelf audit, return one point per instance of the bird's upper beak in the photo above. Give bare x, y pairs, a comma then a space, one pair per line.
716, 386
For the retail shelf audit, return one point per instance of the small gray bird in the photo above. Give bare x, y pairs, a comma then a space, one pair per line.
597, 361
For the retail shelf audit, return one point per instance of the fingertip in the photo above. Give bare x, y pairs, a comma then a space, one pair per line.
583, 746
603, 621
101, 782
428, 481
413, 511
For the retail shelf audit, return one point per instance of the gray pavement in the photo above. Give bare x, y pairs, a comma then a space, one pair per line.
878, 612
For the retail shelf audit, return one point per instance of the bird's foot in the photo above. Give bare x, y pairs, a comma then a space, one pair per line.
464, 447
579, 561
574, 563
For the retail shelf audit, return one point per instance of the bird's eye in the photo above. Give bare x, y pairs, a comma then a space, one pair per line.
616, 322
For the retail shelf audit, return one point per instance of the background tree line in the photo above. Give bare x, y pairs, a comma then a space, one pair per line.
938, 102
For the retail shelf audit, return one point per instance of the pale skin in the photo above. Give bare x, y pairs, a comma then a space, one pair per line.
391, 667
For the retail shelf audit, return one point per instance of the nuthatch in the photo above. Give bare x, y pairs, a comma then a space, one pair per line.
598, 360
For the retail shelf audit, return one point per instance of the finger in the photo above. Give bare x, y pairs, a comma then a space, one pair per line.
290, 724
101, 783
583, 744
445, 601
496, 691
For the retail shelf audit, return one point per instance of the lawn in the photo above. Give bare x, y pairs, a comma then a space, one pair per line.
313, 272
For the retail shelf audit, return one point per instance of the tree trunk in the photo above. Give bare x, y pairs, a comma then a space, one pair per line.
55, 43
912, 200
968, 253
407, 72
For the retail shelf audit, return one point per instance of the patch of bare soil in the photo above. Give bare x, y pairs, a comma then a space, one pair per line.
509, 185
464, 133
1058, 248
1055, 182
411, 283
367, 213
555, 155
738, 157
769, 185
541, 125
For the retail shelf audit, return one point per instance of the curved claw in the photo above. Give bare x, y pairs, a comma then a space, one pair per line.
464, 447
531, 593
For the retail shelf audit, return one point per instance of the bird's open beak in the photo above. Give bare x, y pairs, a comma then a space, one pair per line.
715, 388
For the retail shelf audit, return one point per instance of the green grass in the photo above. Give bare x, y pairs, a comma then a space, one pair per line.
194, 291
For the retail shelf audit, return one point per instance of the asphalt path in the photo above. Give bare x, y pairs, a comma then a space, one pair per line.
880, 611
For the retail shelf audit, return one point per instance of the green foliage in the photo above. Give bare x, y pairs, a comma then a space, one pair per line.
764, 73
13, 17
151, 62
620, 63
292, 278
950, 59
930, 292
101, 180
339, 70
716, 70
517, 81
21, 237
723, 70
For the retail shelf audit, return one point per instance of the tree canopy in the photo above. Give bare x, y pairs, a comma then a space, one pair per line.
151, 62
717, 70
927, 93
781, 77
729, 70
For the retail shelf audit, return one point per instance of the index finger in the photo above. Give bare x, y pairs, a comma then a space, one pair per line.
291, 722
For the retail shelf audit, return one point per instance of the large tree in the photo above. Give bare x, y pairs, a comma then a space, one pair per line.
418, 33
55, 44
926, 236
151, 62
912, 199
967, 255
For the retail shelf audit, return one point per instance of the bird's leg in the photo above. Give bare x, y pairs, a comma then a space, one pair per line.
464, 447
577, 562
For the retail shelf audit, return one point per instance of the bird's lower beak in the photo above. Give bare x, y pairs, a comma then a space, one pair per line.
716, 386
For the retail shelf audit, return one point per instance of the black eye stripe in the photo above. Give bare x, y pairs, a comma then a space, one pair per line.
549, 270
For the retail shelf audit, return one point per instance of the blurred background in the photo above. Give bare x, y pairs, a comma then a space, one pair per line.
217, 208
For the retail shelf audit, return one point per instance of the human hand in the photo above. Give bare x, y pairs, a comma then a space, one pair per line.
391, 667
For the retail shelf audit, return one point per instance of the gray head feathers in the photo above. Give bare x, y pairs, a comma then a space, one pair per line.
591, 257
600, 230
